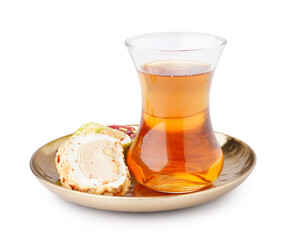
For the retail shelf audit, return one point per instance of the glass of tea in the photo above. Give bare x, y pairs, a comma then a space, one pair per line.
175, 150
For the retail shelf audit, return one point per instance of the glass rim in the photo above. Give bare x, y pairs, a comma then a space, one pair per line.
129, 41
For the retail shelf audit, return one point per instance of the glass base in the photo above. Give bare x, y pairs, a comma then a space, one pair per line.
177, 183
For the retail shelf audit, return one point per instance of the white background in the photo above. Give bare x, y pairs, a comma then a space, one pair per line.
64, 63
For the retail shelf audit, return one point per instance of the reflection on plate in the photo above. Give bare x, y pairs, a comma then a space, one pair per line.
239, 161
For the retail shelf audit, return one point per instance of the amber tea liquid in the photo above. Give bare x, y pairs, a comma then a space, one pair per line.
175, 149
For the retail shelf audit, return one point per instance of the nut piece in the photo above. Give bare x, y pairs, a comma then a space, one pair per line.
109, 152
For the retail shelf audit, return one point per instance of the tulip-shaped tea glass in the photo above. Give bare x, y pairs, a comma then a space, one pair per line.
175, 150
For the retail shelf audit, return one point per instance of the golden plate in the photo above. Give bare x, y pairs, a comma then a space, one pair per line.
239, 161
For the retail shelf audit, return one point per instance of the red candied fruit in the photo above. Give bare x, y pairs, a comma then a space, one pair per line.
126, 129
